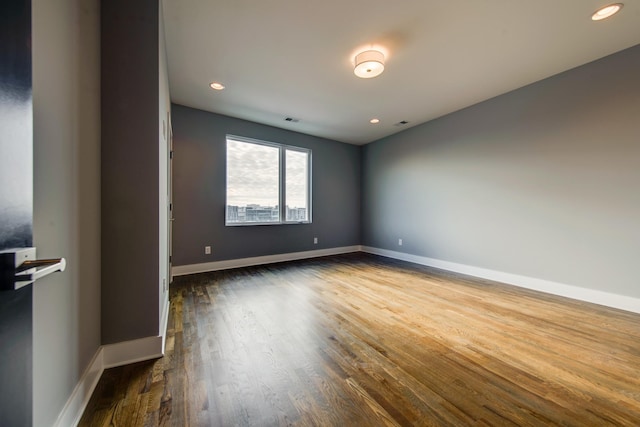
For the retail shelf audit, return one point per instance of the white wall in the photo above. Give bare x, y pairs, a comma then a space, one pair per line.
66, 102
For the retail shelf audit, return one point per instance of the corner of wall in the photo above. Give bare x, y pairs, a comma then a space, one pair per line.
109, 356
75, 406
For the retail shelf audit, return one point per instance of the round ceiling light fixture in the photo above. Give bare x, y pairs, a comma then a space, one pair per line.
216, 86
374, 121
369, 64
606, 11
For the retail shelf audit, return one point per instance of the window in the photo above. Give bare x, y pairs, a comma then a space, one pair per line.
267, 183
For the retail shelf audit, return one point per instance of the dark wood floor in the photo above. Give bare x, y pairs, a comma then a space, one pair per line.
359, 340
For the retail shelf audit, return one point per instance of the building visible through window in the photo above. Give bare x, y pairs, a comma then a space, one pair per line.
267, 183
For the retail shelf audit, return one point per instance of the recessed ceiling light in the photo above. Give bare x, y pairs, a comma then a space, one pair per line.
369, 63
216, 86
374, 121
606, 11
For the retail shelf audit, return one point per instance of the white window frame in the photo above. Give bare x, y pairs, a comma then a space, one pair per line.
281, 182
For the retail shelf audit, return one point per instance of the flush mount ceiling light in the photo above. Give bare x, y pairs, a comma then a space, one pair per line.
216, 86
606, 11
369, 63
374, 121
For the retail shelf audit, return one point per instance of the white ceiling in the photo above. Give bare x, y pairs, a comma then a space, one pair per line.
294, 58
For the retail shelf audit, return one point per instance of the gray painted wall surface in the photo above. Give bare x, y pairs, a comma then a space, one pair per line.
66, 100
199, 192
541, 182
130, 199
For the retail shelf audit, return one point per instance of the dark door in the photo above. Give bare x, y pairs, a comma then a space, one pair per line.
16, 205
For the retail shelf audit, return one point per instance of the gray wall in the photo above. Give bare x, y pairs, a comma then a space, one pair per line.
199, 192
66, 101
541, 182
130, 169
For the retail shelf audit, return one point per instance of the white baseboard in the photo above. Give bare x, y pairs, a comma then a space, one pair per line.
123, 353
107, 356
608, 299
75, 406
164, 320
126, 352
621, 302
110, 356
181, 270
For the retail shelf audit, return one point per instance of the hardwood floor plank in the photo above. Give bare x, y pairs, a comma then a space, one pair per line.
361, 340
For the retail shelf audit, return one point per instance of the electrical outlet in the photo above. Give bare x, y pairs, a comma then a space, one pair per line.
399, 242
207, 250
315, 240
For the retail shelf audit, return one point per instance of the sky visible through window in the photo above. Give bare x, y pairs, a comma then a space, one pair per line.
253, 179
296, 179
252, 174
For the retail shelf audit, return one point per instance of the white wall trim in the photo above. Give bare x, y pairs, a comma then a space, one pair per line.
107, 356
608, 299
181, 270
621, 302
126, 352
75, 406
164, 320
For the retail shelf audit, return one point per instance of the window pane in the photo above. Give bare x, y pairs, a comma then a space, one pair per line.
252, 182
297, 185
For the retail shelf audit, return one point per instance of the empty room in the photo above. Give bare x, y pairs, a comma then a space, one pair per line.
324, 214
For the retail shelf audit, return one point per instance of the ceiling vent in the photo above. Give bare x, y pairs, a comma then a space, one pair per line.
402, 123
291, 119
